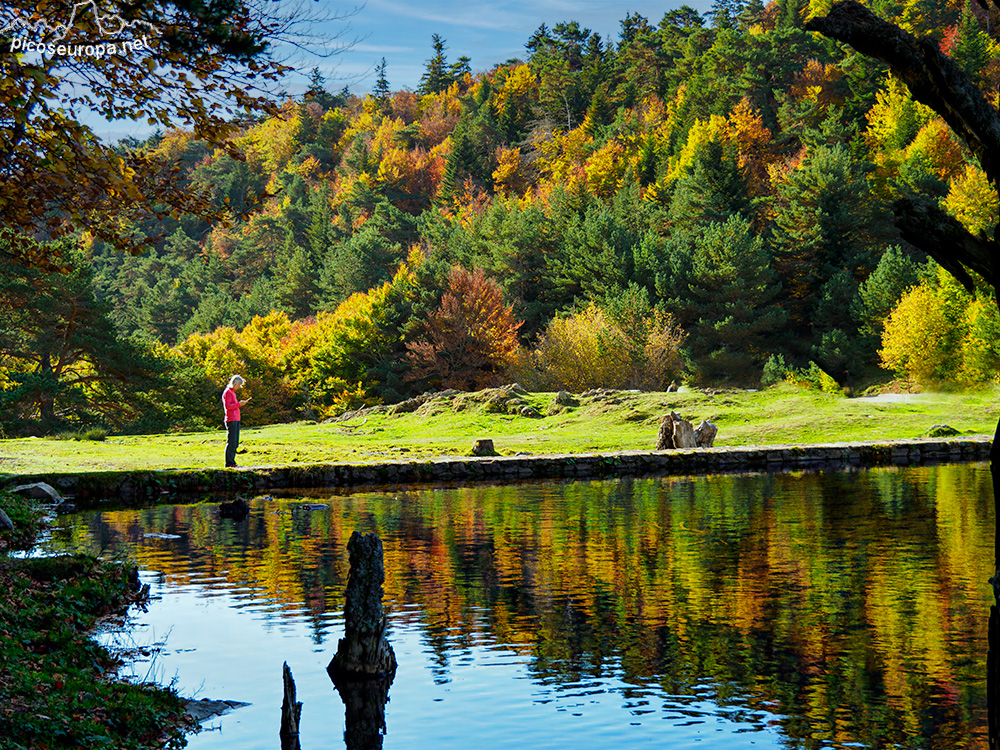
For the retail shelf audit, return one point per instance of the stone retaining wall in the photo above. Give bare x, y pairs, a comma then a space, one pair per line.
94, 489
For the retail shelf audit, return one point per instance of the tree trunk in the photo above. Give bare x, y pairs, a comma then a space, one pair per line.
291, 711
364, 650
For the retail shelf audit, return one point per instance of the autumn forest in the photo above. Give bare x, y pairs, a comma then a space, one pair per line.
703, 200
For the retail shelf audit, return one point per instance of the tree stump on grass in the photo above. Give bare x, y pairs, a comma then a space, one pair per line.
677, 432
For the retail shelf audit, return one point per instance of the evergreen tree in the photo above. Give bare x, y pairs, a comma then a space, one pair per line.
381, 91
364, 261
436, 77
826, 220
732, 295
715, 189
316, 91
877, 295
297, 287
61, 351
458, 70
972, 46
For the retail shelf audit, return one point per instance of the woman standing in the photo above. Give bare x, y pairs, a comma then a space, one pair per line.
232, 404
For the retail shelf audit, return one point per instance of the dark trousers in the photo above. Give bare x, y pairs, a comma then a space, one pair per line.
232, 443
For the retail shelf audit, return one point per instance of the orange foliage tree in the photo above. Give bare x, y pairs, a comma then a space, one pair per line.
470, 339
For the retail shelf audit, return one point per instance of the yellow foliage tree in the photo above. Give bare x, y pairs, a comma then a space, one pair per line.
587, 350
941, 333
893, 123
271, 144
940, 150
517, 95
972, 200
980, 349
606, 169
353, 340
256, 353
508, 177
915, 340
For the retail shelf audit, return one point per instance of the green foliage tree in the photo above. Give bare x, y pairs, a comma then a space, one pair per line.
437, 75
61, 351
715, 189
731, 297
826, 222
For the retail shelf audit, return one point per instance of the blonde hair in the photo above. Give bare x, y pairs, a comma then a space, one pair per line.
236, 380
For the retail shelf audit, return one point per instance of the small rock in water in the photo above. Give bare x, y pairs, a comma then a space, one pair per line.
236, 509
206, 709
37, 491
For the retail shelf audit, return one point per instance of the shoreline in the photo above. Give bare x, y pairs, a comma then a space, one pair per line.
93, 489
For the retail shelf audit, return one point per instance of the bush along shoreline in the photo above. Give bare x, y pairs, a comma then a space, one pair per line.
58, 686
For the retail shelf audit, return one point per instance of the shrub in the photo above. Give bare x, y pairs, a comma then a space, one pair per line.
589, 350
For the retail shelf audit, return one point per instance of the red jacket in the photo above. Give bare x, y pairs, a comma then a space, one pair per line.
231, 404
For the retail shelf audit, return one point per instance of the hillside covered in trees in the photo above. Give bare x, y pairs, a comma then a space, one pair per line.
702, 199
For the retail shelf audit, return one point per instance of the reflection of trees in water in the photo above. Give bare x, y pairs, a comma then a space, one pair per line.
850, 602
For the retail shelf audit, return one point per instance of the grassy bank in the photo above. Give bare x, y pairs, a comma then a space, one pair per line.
56, 685
449, 426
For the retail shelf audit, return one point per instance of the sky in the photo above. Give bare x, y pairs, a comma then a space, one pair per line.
487, 32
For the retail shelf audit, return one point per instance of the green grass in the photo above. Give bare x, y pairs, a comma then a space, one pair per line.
783, 414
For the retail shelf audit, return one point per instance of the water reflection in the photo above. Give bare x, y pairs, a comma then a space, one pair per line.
811, 610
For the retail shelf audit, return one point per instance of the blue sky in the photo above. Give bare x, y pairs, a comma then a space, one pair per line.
487, 32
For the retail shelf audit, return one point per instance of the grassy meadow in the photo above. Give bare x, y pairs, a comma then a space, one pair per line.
449, 426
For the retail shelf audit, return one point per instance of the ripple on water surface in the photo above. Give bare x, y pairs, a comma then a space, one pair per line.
828, 610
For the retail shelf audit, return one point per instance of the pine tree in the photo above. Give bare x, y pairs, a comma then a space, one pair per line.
826, 221
297, 287
316, 92
713, 190
381, 90
60, 347
436, 78
732, 296
972, 46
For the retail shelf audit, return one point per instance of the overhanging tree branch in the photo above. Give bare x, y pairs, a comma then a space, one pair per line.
938, 82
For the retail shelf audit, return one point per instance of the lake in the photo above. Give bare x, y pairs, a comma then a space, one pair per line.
807, 610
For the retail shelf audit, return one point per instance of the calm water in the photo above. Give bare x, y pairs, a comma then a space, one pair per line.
790, 611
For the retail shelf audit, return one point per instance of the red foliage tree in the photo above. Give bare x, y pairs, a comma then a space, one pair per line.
469, 340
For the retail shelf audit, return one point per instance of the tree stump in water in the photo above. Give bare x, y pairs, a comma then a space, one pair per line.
364, 650
364, 711
291, 712
364, 666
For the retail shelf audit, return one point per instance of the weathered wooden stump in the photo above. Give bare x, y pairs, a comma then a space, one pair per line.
364, 650
704, 434
364, 666
677, 432
484, 448
291, 712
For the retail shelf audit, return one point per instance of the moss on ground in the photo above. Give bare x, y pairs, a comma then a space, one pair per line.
57, 686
